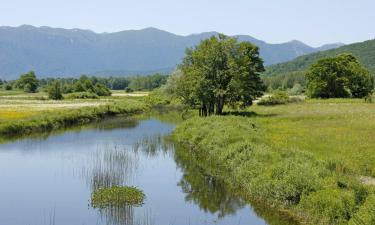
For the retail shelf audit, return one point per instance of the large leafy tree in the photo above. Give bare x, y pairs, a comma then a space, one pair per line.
339, 77
220, 71
28, 82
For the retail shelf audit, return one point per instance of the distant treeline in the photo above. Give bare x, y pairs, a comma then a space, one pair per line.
69, 85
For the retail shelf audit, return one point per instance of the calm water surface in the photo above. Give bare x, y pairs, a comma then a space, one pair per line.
49, 180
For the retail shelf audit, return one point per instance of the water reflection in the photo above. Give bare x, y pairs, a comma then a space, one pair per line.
115, 152
210, 194
109, 167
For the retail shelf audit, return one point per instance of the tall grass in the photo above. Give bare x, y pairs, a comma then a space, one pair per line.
237, 150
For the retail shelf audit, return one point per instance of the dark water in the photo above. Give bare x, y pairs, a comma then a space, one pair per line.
49, 180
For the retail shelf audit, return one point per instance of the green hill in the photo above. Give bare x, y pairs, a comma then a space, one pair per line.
364, 51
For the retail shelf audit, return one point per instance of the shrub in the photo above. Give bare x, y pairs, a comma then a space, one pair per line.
82, 95
296, 90
117, 196
330, 206
277, 98
128, 90
101, 90
54, 91
365, 214
8, 87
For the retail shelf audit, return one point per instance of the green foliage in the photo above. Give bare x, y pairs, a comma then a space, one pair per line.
28, 82
235, 149
365, 214
277, 98
330, 206
117, 196
82, 95
285, 81
297, 89
147, 83
8, 87
101, 90
128, 90
339, 77
364, 51
220, 71
55, 91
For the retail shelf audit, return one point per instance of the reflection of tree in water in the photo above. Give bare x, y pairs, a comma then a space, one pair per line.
215, 196
114, 165
152, 145
116, 123
109, 167
210, 194
124, 215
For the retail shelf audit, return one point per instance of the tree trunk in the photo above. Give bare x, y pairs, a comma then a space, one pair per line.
220, 105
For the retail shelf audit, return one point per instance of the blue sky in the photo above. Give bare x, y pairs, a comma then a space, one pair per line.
314, 22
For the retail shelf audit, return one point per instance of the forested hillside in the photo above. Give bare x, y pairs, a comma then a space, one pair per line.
364, 51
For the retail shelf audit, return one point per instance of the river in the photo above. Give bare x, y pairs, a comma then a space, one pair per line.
48, 179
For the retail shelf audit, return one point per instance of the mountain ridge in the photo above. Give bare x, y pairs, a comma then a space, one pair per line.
364, 51
71, 52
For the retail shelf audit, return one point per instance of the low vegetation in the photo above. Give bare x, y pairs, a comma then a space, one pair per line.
117, 196
278, 98
312, 188
54, 115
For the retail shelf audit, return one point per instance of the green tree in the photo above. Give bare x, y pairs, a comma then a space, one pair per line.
339, 77
28, 82
220, 71
101, 90
55, 90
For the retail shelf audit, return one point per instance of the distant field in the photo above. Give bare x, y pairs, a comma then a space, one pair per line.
17, 104
22, 113
330, 129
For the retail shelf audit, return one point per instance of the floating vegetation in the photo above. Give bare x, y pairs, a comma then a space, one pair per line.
117, 196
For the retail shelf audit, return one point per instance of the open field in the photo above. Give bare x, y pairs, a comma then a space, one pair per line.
22, 113
330, 129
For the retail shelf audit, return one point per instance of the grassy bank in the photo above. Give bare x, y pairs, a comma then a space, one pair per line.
264, 154
19, 118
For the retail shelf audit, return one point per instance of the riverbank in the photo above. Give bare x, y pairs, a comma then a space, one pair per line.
297, 181
16, 119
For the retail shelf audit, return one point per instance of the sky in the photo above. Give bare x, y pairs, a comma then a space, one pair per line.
315, 22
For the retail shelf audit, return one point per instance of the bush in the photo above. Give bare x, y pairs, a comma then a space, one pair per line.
55, 91
82, 95
330, 206
296, 90
365, 214
278, 98
8, 87
101, 90
128, 90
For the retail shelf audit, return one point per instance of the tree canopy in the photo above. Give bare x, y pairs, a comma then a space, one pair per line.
220, 71
339, 77
28, 82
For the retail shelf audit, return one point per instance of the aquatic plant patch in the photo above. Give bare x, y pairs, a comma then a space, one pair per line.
117, 196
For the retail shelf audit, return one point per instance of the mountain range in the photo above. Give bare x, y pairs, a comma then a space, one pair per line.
52, 52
